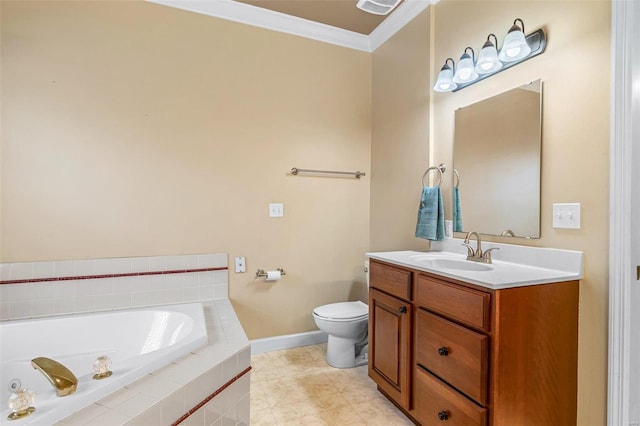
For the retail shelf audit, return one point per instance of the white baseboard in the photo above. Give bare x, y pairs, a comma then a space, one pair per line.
289, 341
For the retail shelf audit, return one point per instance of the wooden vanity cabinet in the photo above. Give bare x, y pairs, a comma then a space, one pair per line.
473, 355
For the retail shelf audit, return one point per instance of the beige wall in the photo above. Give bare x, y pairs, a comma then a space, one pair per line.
130, 128
400, 135
133, 129
575, 141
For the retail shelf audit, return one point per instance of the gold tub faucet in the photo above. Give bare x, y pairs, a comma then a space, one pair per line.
62, 379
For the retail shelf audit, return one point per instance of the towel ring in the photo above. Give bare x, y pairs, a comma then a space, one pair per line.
427, 172
456, 178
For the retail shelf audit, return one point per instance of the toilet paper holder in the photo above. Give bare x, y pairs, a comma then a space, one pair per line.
263, 273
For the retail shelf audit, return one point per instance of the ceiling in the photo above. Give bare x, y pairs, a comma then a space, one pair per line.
337, 13
332, 21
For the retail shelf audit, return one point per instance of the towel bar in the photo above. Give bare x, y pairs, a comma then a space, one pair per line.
357, 174
441, 168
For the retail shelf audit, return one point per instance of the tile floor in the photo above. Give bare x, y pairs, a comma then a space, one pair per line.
297, 387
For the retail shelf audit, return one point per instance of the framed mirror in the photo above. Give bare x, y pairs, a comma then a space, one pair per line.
496, 161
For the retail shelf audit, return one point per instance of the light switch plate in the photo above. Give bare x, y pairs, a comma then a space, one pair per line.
276, 209
566, 215
241, 265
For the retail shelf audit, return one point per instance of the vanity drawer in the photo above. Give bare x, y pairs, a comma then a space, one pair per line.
395, 281
436, 403
462, 304
457, 355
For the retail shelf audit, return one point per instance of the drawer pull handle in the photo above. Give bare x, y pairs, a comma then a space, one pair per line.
443, 351
443, 415
403, 309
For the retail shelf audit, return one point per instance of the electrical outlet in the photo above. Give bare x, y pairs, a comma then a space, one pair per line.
276, 210
241, 265
566, 215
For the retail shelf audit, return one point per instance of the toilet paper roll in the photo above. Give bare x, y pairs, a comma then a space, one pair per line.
273, 275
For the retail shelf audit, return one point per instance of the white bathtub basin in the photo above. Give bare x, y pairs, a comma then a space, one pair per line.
138, 342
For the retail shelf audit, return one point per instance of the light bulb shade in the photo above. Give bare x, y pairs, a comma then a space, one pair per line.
488, 59
465, 72
515, 46
445, 80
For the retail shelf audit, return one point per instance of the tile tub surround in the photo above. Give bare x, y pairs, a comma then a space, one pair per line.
36, 289
209, 386
211, 383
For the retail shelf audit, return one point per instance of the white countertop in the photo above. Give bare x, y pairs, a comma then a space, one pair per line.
513, 266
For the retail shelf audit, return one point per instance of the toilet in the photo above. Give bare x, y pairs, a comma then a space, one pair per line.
346, 323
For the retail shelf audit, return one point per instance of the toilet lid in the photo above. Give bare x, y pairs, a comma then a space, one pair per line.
343, 310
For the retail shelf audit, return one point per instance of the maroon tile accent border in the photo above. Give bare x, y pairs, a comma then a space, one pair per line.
209, 398
128, 274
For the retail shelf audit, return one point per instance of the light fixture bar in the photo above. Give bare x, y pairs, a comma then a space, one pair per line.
537, 41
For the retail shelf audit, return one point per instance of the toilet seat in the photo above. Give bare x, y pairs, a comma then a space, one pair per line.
343, 311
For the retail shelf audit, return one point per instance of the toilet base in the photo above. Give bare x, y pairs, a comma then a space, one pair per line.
341, 352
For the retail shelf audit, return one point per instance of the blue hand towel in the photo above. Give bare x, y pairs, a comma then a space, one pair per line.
430, 224
457, 211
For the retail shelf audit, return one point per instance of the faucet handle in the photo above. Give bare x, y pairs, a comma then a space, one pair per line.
470, 251
21, 404
486, 256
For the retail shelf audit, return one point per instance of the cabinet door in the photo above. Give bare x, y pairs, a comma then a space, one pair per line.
389, 345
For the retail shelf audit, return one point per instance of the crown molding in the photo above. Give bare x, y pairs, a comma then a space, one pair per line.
256, 16
403, 14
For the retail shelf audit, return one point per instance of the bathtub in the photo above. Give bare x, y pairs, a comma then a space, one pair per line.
138, 341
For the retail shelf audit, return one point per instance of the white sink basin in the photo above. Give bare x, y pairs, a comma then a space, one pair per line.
446, 261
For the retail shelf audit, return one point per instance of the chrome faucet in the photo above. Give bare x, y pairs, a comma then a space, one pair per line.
477, 255
63, 380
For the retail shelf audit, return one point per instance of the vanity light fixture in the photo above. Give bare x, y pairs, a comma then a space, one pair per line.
517, 48
445, 78
466, 72
488, 61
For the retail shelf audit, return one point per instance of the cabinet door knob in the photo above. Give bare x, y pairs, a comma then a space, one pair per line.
443, 415
403, 309
443, 351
